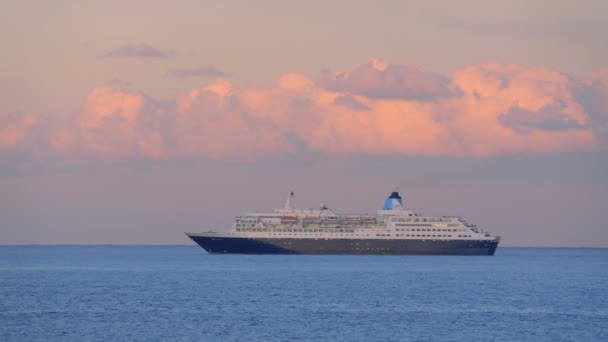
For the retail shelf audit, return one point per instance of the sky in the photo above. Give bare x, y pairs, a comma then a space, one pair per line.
132, 123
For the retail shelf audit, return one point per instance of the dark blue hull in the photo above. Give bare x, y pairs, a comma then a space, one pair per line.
233, 245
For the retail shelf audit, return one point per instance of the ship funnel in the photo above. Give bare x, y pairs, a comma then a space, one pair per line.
393, 202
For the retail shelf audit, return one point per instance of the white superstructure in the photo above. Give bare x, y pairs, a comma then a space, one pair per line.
393, 222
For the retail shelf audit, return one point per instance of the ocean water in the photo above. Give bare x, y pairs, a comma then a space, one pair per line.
179, 293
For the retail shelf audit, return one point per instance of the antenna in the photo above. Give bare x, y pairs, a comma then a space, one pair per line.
398, 186
288, 200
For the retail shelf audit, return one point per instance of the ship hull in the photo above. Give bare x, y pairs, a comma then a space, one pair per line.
239, 245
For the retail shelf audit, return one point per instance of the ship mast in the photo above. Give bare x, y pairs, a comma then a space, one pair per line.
288, 200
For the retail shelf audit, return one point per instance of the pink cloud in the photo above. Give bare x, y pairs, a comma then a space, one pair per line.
14, 129
212, 122
482, 110
498, 97
593, 95
377, 79
114, 122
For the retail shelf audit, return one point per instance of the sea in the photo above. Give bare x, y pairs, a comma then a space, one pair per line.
180, 293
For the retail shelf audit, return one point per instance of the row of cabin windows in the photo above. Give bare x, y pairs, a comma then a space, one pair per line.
420, 220
245, 225
413, 225
421, 225
429, 230
424, 235
317, 234
427, 235
304, 230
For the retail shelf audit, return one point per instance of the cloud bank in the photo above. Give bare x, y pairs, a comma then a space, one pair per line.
374, 109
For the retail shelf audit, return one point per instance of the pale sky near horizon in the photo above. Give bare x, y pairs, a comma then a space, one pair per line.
133, 122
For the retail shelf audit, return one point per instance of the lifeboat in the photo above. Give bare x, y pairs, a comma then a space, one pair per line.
289, 219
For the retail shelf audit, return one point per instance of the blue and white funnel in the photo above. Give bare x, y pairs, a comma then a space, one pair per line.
393, 202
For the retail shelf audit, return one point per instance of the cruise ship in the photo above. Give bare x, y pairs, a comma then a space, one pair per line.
394, 230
